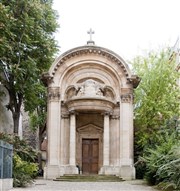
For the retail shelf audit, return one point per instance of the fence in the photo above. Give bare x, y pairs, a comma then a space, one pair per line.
6, 153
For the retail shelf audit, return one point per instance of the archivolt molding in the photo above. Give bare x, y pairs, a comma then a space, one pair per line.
85, 50
92, 50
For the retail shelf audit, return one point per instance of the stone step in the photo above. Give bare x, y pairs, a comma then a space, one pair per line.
89, 178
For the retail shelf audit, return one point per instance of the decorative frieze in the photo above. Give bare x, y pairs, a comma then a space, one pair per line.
126, 98
54, 93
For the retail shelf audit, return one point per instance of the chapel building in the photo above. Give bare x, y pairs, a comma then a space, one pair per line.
90, 114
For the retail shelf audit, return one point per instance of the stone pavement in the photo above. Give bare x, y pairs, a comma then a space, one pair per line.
48, 185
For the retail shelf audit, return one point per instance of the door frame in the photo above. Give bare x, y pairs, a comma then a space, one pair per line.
83, 133
91, 154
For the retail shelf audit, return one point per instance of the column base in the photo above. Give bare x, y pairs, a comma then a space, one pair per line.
68, 170
51, 171
127, 172
55, 171
109, 170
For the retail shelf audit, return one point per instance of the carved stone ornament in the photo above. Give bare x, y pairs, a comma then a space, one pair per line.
126, 98
54, 93
90, 88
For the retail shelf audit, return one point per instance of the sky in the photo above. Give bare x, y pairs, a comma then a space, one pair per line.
127, 27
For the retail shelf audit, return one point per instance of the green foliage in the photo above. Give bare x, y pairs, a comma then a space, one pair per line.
156, 119
27, 47
20, 147
156, 98
23, 171
163, 161
170, 172
24, 158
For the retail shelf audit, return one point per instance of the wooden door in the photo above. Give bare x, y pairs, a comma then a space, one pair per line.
90, 156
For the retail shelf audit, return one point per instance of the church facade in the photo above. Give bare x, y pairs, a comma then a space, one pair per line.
90, 114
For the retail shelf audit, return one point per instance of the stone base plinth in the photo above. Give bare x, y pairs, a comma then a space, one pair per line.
109, 170
127, 172
70, 169
54, 171
6, 184
51, 171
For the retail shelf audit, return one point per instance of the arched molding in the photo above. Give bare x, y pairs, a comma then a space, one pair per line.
110, 59
90, 50
91, 70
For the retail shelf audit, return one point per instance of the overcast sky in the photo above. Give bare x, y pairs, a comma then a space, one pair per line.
127, 27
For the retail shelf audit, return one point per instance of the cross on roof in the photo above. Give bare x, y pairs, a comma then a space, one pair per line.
90, 32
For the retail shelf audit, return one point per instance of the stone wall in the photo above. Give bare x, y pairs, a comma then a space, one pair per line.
28, 134
6, 121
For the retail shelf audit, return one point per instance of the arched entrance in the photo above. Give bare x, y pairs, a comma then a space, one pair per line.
90, 114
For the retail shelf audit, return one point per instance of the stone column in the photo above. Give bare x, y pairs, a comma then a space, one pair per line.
106, 140
72, 169
127, 170
72, 148
53, 133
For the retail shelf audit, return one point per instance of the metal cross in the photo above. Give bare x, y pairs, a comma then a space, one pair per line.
90, 32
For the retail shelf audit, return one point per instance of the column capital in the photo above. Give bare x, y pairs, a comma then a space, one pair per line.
127, 98
65, 115
54, 93
106, 113
73, 112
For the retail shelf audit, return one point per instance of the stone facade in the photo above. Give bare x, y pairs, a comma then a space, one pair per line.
90, 114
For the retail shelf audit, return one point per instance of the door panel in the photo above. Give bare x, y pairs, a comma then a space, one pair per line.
90, 156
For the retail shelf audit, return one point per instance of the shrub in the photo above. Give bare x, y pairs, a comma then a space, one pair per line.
170, 172
24, 166
23, 172
163, 162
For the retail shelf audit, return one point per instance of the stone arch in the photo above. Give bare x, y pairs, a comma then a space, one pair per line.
105, 56
93, 70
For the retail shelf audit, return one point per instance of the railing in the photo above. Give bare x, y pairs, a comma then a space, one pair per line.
6, 154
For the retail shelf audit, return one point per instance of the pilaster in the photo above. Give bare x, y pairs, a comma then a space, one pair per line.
127, 170
53, 133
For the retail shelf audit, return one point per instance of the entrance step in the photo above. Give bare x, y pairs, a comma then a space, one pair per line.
89, 178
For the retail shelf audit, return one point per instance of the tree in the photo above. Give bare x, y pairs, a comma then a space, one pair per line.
156, 98
27, 47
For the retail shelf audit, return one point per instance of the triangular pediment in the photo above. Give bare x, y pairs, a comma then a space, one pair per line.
90, 128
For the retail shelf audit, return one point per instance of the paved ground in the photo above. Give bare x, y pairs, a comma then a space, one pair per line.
48, 185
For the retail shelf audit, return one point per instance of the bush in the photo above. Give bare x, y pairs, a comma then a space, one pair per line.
24, 166
20, 147
163, 162
23, 172
170, 172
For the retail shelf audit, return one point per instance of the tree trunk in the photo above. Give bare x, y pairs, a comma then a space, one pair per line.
40, 137
16, 116
40, 154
